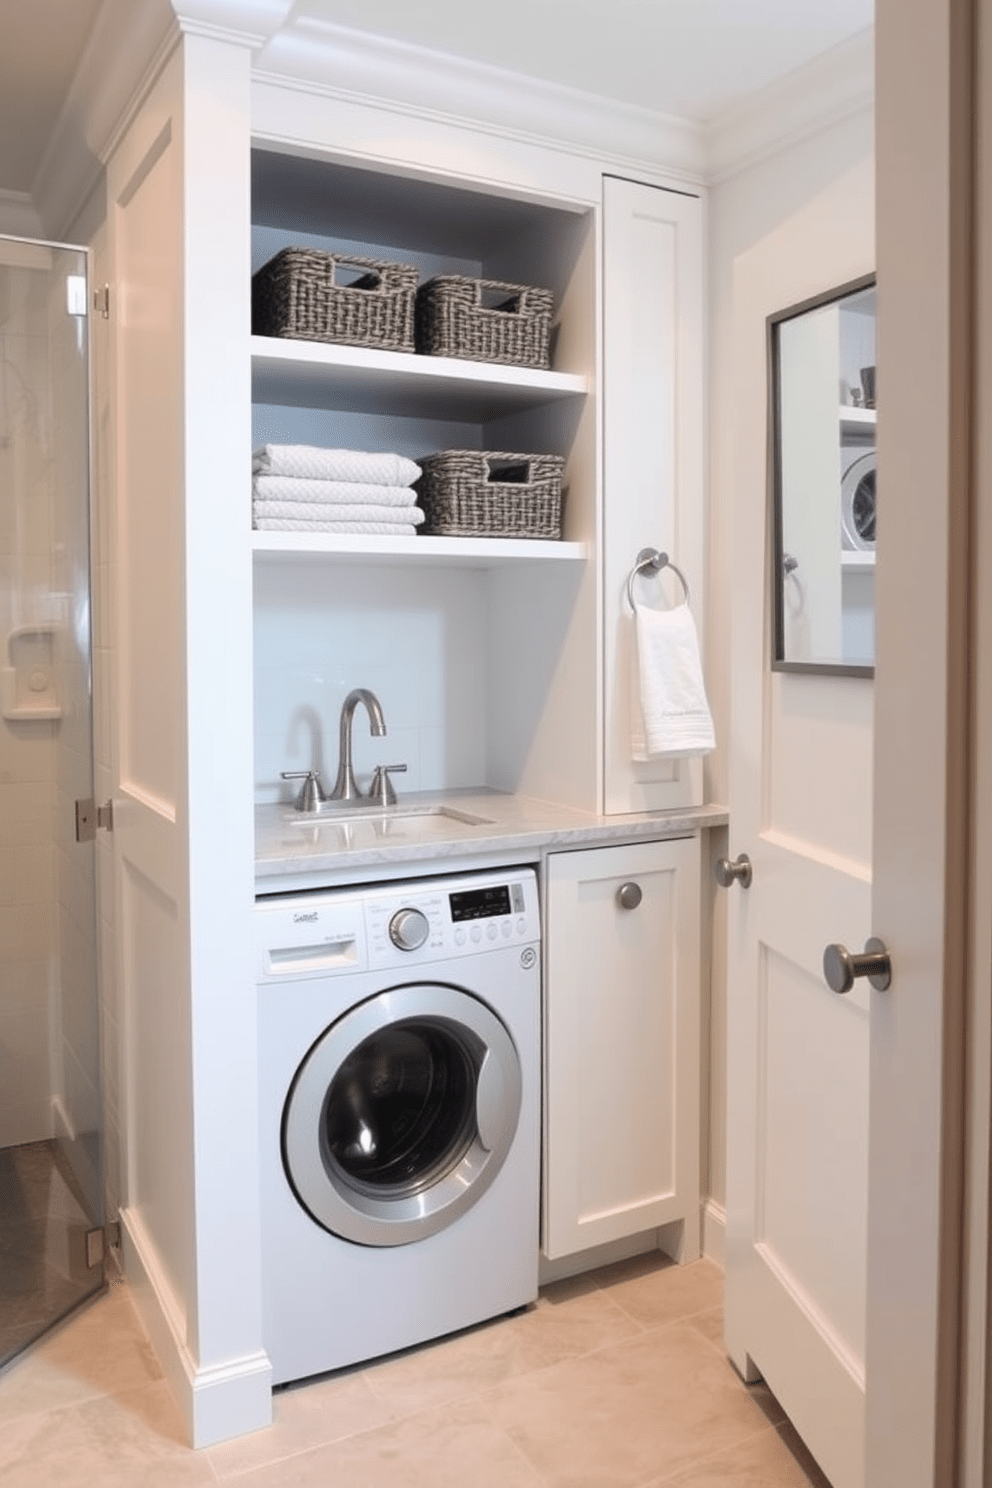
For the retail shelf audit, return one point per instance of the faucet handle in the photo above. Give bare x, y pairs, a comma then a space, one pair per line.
381, 789
312, 794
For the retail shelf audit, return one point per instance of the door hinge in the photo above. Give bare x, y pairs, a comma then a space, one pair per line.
99, 1241
90, 817
101, 301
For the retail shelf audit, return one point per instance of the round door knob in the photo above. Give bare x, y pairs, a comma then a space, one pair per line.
726, 872
629, 895
408, 929
840, 968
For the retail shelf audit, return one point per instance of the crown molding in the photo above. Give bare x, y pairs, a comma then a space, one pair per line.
297, 51
18, 217
139, 36
248, 22
831, 88
100, 99
337, 61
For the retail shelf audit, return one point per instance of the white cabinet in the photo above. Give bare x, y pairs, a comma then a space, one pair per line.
652, 453
621, 1119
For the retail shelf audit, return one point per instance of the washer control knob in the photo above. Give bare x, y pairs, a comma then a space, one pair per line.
408, 929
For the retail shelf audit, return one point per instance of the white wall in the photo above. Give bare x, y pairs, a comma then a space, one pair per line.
420, 647
744, 208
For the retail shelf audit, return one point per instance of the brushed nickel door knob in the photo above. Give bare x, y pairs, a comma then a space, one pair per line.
841, 968
726, 871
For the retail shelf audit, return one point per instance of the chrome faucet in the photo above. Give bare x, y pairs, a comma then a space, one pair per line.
346, 787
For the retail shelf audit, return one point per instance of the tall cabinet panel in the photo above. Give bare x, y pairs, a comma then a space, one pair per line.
653, 454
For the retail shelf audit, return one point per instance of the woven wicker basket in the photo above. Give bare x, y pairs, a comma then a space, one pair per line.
484, 320
310, 295
482, 493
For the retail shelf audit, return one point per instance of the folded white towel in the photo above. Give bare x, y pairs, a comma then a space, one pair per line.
670, 713
286, 524
336, 493
324, 513
313, 463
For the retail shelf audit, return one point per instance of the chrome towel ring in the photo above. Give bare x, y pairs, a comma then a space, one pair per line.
650, 561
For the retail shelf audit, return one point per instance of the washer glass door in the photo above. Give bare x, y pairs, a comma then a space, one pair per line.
402, 1114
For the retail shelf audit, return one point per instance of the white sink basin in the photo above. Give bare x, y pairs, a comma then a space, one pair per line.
365, 826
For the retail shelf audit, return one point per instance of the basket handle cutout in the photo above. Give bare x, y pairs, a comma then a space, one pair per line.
493, 297
355, 276
508, 472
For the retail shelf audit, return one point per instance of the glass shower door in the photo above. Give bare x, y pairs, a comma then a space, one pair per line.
51, 1147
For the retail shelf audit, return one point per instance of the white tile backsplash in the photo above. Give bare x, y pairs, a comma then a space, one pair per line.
416, 639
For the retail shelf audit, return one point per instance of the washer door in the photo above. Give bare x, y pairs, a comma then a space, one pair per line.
857, 503
402, 1114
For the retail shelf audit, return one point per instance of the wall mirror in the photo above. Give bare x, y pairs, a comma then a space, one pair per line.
821, 358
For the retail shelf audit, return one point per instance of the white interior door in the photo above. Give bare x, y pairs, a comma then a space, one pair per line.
150, 703
801, 808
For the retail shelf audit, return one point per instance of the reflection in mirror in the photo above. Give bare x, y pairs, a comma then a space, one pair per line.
822, 406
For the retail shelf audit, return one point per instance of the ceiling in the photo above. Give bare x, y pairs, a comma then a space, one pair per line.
689, 58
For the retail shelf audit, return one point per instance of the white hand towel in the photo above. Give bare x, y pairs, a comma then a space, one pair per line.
314, 463
381, 529
670, 713
326, 512
299, 488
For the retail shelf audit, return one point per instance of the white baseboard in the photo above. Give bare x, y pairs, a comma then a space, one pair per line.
714, 1231
216, 1403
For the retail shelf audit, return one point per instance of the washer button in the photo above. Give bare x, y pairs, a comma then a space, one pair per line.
505, 927
459, 937
521, 925
476, 933
491, 930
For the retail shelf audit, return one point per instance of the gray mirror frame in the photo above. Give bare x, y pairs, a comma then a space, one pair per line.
779, 663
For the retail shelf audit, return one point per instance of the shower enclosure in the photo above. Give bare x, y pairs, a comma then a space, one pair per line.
51, 1148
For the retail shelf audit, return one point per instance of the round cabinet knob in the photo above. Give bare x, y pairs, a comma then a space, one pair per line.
840, 968
408, 929
726, 872
629, 895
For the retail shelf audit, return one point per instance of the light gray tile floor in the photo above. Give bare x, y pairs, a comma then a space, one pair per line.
617, 1379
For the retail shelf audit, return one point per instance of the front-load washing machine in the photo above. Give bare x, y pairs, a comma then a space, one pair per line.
399, 1048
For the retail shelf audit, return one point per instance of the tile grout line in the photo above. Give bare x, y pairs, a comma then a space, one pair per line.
656, 1482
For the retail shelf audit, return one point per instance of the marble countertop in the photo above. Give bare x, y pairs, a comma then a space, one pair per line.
448, 830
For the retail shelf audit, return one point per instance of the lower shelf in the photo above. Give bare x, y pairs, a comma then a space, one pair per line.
466, 552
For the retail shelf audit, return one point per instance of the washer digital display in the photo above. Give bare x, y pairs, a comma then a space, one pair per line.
480, 904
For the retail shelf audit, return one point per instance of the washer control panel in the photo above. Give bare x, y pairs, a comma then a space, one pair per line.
337, 931
451, 917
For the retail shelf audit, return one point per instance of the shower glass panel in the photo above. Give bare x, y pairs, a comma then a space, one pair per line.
51, 1149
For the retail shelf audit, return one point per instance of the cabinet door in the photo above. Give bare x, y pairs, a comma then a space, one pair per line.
621, 1129
653, 454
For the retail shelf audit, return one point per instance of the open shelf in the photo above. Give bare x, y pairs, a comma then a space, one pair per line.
858, 419
357, 379
464, 552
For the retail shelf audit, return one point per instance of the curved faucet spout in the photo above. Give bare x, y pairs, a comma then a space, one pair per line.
345, 786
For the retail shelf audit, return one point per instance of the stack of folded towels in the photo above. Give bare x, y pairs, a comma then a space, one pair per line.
301, 488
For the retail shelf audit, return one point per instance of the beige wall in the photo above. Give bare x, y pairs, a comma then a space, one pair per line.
744, 209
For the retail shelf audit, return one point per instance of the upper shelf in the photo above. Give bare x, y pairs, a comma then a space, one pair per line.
357, 379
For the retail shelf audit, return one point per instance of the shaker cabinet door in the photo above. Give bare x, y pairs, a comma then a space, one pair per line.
621, 1128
